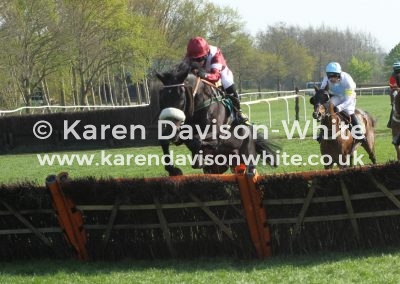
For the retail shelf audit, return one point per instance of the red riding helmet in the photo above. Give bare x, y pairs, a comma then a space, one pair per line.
197, 47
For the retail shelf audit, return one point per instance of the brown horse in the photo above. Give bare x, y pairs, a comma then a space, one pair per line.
395, 124
339, 145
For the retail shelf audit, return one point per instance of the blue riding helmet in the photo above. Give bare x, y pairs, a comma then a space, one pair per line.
396, 66
333, 67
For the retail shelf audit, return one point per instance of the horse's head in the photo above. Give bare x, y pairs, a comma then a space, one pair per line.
320, 101
176, 98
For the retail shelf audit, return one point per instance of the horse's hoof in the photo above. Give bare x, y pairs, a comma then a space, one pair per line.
178, 172
175, 172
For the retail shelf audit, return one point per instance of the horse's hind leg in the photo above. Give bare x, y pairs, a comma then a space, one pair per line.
369, 146
248, 150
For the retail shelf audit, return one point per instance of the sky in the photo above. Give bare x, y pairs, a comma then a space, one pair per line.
369, 17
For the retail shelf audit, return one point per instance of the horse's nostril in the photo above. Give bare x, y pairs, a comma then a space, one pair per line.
315, 115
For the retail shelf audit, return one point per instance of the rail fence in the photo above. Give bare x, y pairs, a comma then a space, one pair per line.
247, 99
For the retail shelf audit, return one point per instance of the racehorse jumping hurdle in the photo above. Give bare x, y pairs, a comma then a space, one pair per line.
232, 215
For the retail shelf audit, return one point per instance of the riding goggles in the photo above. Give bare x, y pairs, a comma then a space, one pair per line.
199, 59
332, 75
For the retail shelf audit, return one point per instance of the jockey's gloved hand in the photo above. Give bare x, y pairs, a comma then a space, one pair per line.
335, 109
201, 73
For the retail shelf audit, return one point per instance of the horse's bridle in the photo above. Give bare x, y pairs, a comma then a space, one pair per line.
326, 108
188, 89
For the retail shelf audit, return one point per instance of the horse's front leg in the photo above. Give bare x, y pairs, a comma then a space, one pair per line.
169, 167
248, 150
195, 145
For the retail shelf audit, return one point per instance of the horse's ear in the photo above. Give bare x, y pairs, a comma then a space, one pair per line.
161, 77
327, 87
184, 69
316, 88
312, 99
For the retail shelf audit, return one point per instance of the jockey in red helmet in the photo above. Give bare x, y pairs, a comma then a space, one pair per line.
211, 66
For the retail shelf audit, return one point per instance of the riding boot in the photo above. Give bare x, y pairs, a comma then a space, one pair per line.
234, 97
354, 123
389, 124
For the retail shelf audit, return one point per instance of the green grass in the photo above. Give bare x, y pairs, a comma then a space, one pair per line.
355, 267
25, 167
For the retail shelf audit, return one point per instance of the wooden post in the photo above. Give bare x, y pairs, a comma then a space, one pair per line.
255, 212
70, 218
296, 107
350, 209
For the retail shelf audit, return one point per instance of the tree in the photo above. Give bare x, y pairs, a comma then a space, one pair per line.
392, 57
300, 64
360, 70
30, 47
177, 21
290, 62
101, 35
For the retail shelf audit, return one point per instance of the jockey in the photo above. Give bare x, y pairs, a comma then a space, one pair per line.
212, 67
393, 86
343, 95
392, 79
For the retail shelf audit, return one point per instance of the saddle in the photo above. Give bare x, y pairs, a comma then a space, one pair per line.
347, 118
221, 95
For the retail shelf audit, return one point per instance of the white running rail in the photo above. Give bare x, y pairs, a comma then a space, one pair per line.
268, 101
44, 108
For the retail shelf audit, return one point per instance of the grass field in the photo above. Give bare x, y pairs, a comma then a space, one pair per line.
23, 167
379, 266
354, 267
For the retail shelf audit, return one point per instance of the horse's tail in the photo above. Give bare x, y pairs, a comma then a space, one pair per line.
267, 149
373, 120
368, 117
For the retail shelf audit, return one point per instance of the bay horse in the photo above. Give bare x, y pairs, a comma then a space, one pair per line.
189, 103
395, 121
339, 145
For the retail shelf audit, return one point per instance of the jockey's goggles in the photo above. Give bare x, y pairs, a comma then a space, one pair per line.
332, 75
199, 59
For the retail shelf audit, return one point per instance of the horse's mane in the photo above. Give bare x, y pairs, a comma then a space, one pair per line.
185, 68
179, 69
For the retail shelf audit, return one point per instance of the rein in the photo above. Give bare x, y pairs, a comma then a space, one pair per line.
175, 85
207, 102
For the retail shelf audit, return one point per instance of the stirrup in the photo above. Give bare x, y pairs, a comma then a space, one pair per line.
243, 119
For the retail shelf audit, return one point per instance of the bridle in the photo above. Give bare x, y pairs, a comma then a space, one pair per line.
325, 105
189, 90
